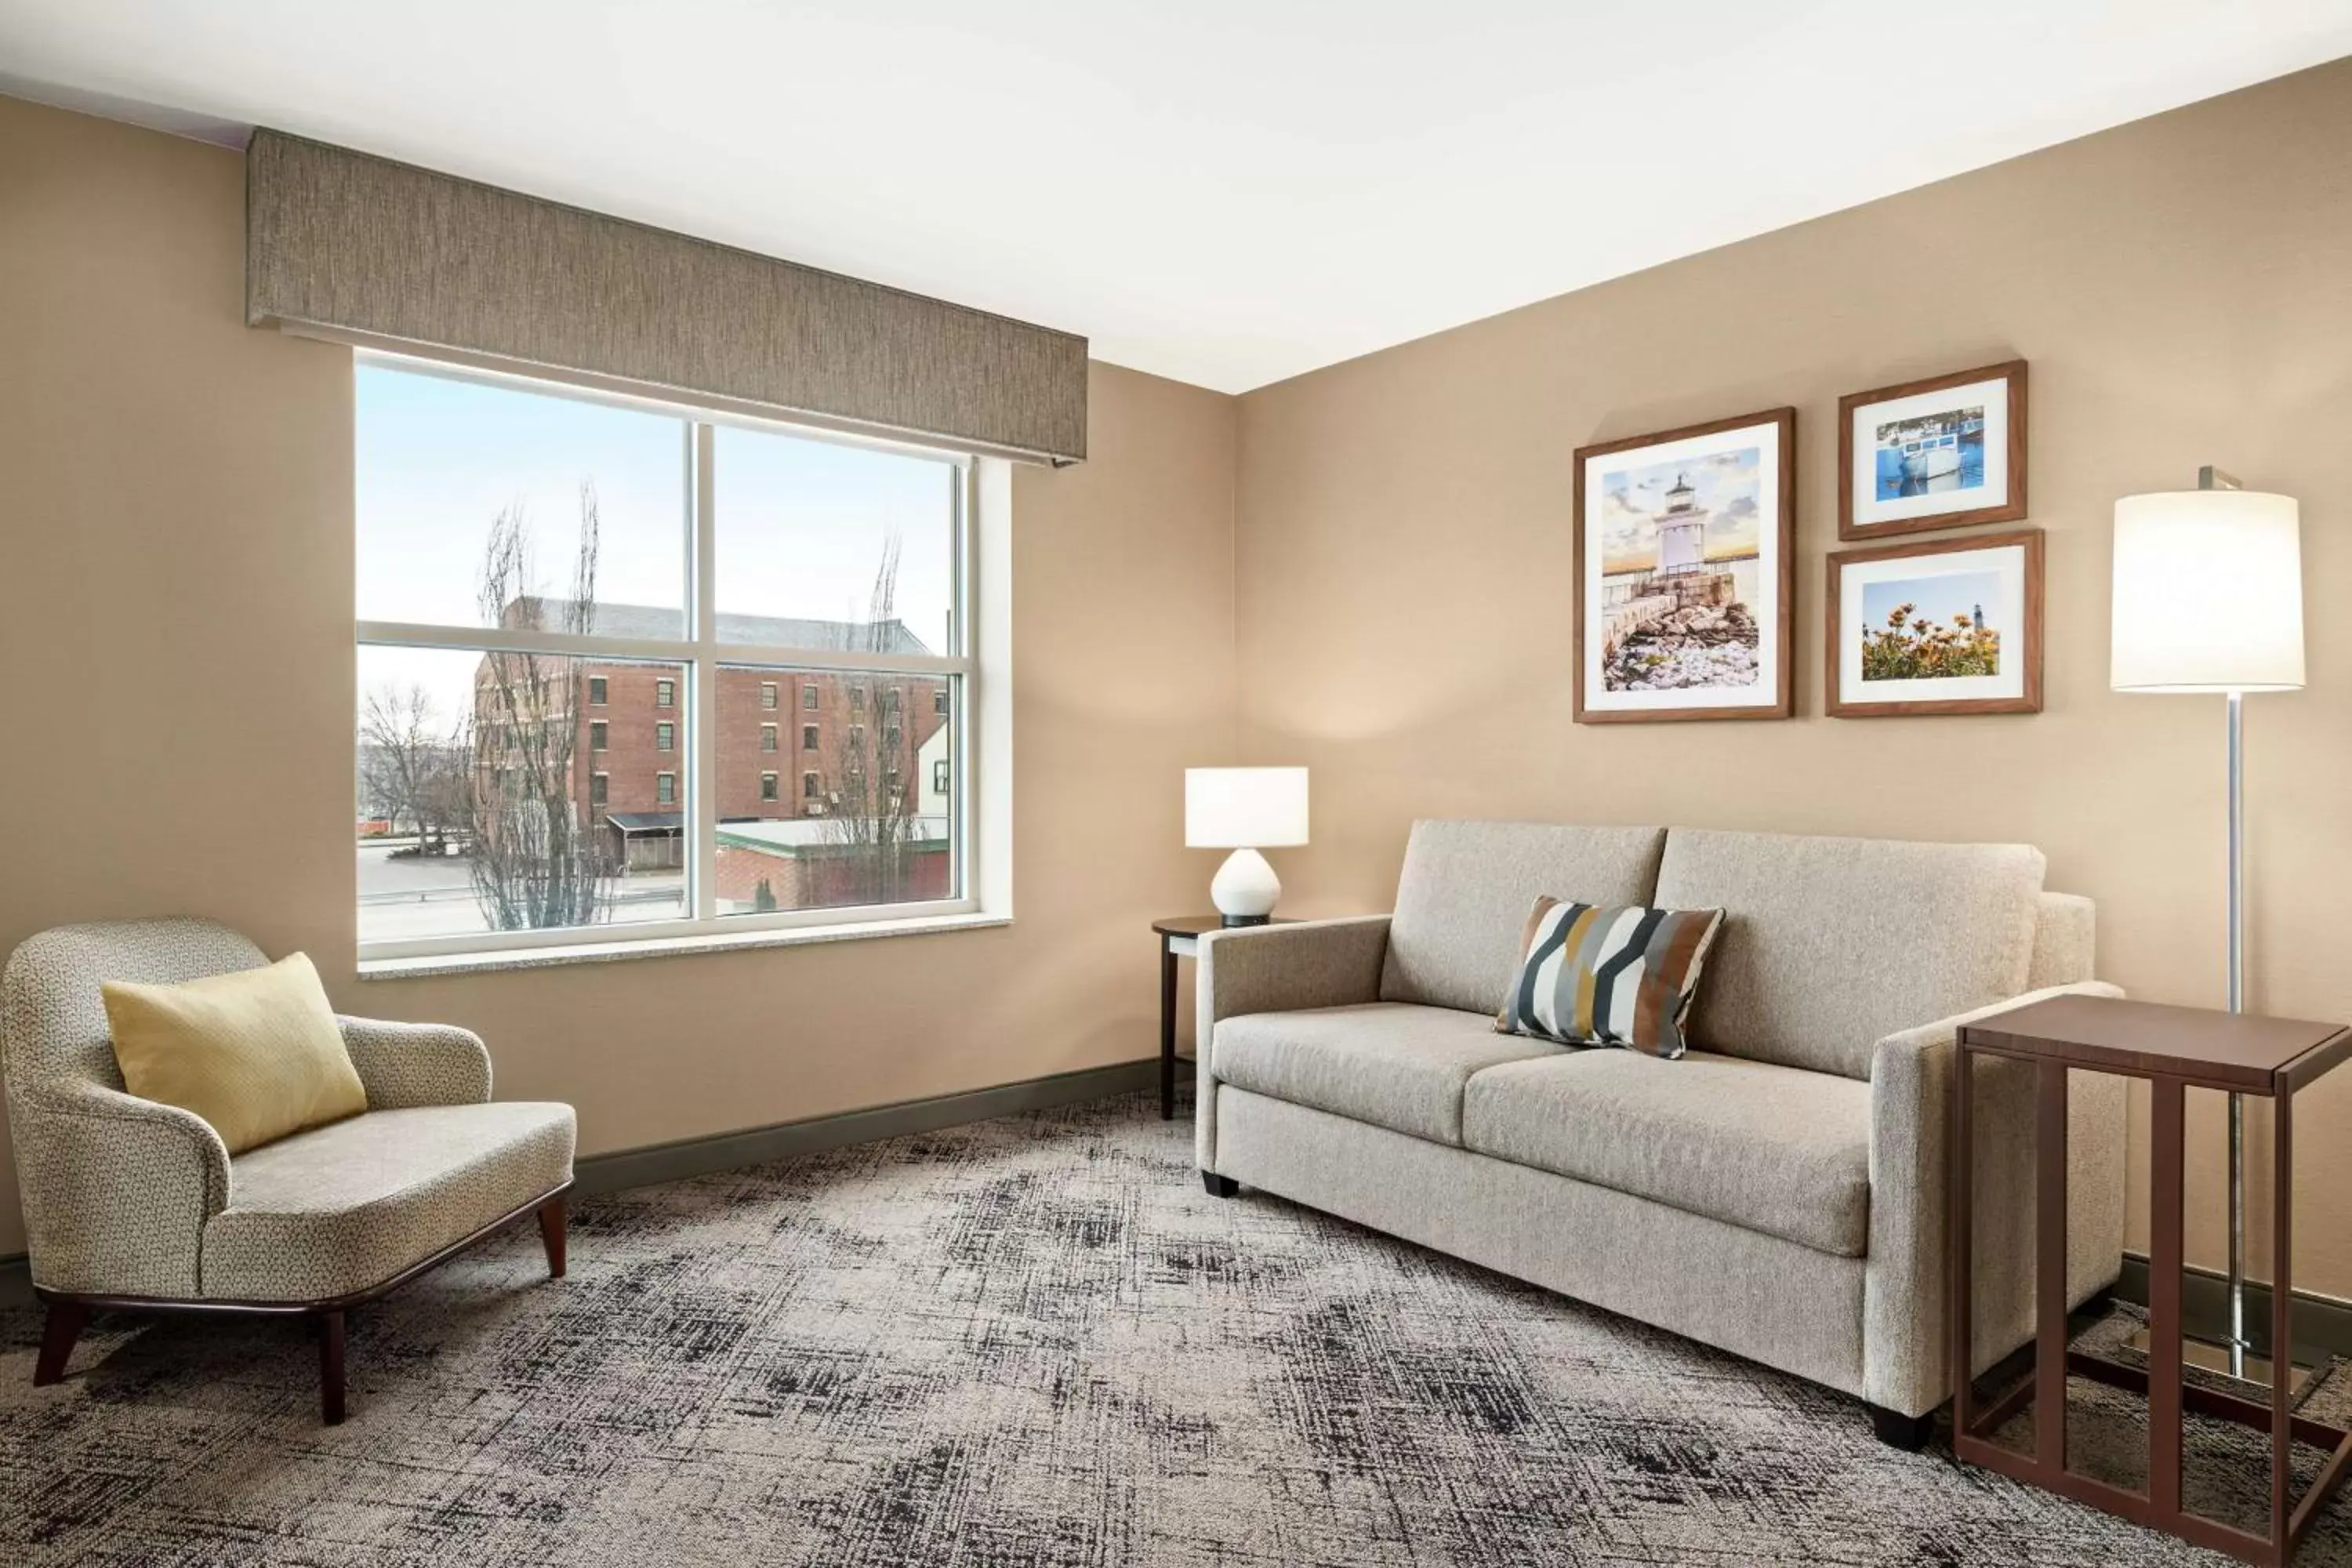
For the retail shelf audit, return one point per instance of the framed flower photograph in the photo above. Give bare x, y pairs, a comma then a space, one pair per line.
1946, 452
1946, 626
1684, 567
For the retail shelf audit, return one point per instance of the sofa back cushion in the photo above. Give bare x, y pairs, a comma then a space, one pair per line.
1830, 944
1462, 899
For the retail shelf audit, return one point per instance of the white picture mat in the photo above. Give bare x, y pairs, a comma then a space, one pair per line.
2007, 616
1991, 396
1766, 692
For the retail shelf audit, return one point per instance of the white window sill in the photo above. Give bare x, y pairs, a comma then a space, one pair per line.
663, 947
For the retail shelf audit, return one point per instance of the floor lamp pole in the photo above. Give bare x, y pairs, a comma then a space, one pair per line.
2237, 1346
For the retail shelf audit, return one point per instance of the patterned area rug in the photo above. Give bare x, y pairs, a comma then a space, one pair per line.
1030, 1341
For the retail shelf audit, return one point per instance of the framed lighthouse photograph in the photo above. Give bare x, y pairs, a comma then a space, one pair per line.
1936, 627
1684, 567
1945, 452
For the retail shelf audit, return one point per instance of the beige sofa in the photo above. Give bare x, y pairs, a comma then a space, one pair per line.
1778, 1193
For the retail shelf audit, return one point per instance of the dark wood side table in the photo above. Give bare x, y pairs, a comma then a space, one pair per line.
1178, 938
2175, 1049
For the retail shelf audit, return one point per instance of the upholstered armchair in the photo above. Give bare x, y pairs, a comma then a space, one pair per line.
130, 1203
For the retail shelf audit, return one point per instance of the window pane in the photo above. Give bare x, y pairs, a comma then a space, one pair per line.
474, 504
827, 546
478, 809
870, 821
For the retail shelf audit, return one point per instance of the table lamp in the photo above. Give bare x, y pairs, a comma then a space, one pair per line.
2209, 598
1245, 810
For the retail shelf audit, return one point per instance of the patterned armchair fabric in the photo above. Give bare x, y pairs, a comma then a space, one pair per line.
121, 1194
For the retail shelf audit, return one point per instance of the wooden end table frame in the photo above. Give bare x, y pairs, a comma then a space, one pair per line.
2174, 1049
1181, 938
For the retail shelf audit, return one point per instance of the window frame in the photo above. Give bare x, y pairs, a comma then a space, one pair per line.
974, 484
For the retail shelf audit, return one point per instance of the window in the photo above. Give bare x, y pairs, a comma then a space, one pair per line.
939, 776
600, 532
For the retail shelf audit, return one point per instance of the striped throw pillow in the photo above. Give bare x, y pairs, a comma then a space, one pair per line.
1624, 976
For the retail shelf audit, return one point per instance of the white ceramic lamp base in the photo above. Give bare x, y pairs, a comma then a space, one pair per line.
1245, 888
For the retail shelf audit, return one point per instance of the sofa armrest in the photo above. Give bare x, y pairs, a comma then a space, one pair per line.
1905, 1350
1276, 969
404, 1065
117, 1190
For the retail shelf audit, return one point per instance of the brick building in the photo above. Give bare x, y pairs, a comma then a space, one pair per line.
842, 754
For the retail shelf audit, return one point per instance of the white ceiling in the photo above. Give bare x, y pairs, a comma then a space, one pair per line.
1228, 191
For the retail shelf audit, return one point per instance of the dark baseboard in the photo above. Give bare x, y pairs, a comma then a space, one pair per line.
2321, 1322
757, 1145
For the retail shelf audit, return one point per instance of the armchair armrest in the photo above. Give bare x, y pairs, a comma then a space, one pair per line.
1277, 969
117, 1190
1905, 1353
404, 1065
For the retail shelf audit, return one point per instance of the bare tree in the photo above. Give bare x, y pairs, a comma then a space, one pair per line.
875, 831
536, 859
411, 762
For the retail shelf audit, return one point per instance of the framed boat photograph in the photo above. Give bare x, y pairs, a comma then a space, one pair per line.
1936, 627
1946, 452
1684, 567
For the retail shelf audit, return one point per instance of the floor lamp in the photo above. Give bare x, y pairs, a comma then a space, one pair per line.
2209, 598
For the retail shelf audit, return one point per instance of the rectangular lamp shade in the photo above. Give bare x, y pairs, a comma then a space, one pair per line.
1244, 809
2208, 593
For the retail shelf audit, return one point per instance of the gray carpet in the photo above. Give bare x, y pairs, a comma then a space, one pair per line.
1032, 1342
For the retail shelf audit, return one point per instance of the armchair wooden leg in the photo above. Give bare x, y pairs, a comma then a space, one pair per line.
551, 1232
331, 1368
67, 1320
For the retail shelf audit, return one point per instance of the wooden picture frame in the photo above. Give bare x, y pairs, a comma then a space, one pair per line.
1854, 612
1907, 438
1753, 468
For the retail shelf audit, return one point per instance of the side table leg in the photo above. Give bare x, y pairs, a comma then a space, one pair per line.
2282, 1319
2164, 1202
2049, 1267
1167, 1032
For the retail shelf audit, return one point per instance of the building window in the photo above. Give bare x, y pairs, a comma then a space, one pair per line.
509, 620
939, 776
940, 700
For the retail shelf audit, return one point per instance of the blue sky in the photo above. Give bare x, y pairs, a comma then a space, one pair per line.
800, 523
1937, 598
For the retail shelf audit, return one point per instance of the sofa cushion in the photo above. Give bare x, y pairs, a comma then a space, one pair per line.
343, 1208
1620, 976
1462, 899
1390, 1064
1831, 944
1770, 1148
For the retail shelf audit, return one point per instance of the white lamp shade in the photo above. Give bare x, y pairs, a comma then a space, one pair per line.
1244, 809
2208, 593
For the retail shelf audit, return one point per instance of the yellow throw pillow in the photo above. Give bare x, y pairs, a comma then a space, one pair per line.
256, 1053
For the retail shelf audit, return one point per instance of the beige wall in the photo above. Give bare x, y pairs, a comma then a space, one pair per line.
175, 719
2181, 288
